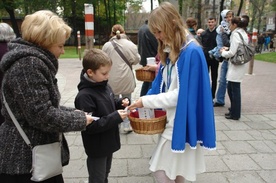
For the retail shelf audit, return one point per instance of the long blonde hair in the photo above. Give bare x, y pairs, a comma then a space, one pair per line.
166, 19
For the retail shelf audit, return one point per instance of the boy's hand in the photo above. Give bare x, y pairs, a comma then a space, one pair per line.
122, 113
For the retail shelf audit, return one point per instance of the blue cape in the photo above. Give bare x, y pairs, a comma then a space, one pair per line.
194, 118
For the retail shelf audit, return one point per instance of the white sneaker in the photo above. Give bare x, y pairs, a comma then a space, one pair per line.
128, 130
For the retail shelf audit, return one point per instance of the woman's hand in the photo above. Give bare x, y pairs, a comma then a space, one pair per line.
137, 104
223, 49
150, 67
122, 113
89, 119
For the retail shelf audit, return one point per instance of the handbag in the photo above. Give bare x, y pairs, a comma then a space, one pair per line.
245, 53
46, 159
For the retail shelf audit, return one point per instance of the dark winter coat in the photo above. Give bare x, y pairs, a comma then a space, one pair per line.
31, 90
208, 40
101, 137
3, 50
147, 44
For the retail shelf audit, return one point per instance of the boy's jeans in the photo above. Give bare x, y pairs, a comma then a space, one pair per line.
220, 97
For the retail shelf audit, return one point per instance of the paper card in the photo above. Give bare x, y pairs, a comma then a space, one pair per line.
151, 61
146, 113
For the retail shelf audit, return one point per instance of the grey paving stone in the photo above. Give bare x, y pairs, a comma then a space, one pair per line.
139, 167
268, 176
238, 147
136, 179
261, 146
238, 135
237, 125
240, 163
119, 167
244, 177
257, 118
129, 151
259, 125
221, 126
139, 139
265, 161
215, 164
220, 135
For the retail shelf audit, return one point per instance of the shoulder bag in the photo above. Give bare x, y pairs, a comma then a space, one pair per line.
244, 54
123, 57
121, 54
46, 159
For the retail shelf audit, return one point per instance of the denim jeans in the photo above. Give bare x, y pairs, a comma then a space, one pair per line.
234, 92
220, 96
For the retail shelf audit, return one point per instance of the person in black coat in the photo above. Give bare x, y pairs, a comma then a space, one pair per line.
208, 40
100, 139
147, 47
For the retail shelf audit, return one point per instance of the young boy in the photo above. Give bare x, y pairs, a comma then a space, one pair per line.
223, 27
100, 139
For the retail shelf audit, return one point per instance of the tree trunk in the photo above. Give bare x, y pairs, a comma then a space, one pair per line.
221, 8
240, 7
9, 6
199, 13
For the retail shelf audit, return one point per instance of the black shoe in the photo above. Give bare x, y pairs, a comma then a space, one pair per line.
218, 104
231, 117
227, 114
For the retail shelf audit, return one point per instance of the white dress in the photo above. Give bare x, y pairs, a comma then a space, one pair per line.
186, 164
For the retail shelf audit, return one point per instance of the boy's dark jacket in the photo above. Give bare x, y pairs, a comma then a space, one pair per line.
101, 138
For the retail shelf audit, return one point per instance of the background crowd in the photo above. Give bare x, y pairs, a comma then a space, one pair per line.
106, 85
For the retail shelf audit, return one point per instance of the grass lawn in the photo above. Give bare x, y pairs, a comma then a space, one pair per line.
72, 52
267, 57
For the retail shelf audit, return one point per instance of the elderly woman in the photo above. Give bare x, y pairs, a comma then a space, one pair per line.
31, 91
6, 34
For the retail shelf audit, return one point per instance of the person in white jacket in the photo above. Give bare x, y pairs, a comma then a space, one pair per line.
182, 88
235, 73
121, 78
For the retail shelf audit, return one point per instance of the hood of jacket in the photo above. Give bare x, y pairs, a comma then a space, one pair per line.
86, 83
223, 14
20, 49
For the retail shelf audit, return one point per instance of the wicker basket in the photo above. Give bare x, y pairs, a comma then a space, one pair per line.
144, 75
148, 126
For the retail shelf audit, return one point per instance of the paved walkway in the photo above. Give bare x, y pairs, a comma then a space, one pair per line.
246, 149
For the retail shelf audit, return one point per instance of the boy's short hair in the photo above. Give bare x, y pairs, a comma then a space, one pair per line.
212, 18
95, 58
